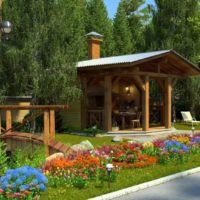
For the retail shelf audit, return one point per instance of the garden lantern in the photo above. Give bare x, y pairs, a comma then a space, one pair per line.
109, 168
6, 27
193, 130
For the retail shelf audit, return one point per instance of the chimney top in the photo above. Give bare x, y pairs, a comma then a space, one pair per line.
94, 40
94, 35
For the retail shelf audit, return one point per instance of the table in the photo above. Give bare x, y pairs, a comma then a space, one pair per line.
125, 114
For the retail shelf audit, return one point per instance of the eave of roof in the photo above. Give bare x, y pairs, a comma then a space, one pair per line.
120, 59
134, 59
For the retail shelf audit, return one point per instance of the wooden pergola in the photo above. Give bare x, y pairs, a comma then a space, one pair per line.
49, 119
165, 69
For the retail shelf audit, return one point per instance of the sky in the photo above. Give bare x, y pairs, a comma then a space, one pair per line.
112, 6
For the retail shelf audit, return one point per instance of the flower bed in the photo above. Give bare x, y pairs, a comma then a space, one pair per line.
22, 183
79, 169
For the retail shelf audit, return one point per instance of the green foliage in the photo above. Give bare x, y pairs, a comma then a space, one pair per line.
28, 156
122, 34
40, 55
79, 182
97, 20
3, 158
92, 131
172, 22
138, 18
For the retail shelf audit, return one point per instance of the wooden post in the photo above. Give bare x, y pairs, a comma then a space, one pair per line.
84, 104
145, 105
52, 125
168, 103
108, 103
46, 132
8, 119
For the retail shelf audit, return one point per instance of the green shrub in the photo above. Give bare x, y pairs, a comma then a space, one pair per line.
29, 156
3, 158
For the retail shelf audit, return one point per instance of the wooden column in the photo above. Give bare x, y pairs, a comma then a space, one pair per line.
84, 103
52, 125
8, 119
107, 103
168, 103
46, 132
145, 105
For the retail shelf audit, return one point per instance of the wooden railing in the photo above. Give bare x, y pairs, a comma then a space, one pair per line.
95, 117
49, 119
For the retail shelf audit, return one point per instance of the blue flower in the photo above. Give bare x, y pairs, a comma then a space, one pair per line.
42, 187
34, 181
24, 187
19, 181
4, 185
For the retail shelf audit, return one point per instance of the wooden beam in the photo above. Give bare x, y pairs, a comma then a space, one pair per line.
135, 73
174, 81
52, 125
108, 103
84, 103
8, 119
145, 105
46, 132
139, 82
168, 102
33, 107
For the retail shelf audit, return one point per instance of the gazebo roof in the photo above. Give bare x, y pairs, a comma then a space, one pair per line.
177, 62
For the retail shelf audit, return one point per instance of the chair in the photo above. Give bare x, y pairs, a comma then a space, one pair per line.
137, 120
187, 117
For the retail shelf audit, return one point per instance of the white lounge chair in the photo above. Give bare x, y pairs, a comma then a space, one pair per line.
187, 118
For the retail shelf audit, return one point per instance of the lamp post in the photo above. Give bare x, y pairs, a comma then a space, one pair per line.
193, 130
109, 168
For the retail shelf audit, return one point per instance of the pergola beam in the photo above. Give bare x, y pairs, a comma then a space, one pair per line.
168, 102
108, 103
145, 105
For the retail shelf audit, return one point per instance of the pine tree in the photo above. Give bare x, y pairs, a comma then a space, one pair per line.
122, 34
172, 25
39, 57
98, 21
138, 17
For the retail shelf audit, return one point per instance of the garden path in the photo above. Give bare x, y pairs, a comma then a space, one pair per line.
178, 189
150, 137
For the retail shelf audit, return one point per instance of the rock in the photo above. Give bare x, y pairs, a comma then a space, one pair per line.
54, 156
87, 144
83, 146
117, 139
78, 147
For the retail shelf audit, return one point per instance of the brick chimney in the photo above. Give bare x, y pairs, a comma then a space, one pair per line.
94, 41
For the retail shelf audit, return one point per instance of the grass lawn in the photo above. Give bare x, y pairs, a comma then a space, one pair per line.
99, 141
183, 126
126, 178
76, 139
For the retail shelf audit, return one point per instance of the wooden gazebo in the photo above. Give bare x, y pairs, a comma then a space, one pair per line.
165, 67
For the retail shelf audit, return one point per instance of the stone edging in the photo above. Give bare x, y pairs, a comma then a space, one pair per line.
142, 186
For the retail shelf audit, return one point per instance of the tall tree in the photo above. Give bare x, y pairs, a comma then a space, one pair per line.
39, 57
122, 33
172, 25
176, 26
138, 17
98, 21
